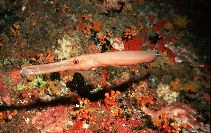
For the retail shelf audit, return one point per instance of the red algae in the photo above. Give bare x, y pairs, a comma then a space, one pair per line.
134, 44
15, 76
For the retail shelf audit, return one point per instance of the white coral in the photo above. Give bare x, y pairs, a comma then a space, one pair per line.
117, 43
166, 93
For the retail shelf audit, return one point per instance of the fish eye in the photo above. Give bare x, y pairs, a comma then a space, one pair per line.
76, 61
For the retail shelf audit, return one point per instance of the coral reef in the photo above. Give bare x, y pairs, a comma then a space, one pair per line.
104, 66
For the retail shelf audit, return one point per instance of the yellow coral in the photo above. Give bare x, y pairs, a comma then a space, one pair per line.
180, 21
176, 85
168, 26
191, 87
187, 87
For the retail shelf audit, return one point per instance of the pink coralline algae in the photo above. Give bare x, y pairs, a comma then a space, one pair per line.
6, 99
121, 125
51, 120
179, 112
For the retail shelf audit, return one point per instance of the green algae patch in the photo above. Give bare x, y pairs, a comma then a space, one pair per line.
19, 87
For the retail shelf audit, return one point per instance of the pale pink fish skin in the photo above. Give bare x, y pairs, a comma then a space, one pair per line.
88, 61
124, 58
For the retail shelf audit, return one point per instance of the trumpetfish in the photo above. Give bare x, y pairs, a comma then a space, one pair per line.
88, 61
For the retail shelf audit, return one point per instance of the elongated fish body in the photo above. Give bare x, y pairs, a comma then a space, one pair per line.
88, 61
124, 58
